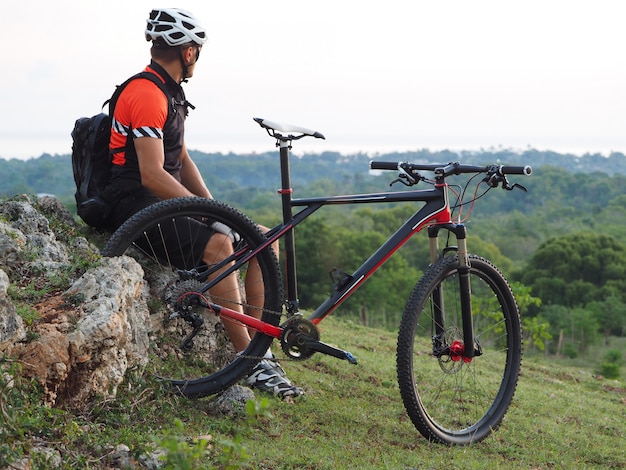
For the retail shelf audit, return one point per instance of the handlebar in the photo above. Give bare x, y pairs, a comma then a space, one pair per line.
495, 174
454, 168
516, 170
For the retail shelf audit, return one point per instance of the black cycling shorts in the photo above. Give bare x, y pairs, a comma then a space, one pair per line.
180, 243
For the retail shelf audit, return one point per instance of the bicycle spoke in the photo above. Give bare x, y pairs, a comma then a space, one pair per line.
450, 398
181, 254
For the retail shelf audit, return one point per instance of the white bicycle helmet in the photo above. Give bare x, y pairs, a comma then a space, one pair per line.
174, 27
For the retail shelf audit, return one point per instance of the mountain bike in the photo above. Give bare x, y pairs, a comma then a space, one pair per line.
459, 344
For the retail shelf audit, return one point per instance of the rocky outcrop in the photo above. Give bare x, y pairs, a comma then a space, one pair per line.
78, 343
11, 324
84, 351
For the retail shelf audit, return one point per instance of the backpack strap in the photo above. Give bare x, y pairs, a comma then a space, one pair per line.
147, 75
118, 91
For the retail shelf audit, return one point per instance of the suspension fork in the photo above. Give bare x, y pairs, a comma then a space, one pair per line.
439, 340
440, 345
469, 349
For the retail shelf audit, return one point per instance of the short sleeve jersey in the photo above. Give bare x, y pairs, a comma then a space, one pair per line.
143, 110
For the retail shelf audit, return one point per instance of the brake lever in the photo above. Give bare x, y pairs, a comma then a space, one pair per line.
496, 178
505, 185
401, 179
411, 180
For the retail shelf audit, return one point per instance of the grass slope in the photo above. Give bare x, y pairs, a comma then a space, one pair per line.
353, 417
350, 418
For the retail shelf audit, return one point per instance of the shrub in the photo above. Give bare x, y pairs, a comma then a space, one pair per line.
609, 370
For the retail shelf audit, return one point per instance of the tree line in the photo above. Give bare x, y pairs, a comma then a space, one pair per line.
230, 173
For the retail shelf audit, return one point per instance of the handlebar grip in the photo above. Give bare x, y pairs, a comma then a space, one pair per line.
516, 170
383, 165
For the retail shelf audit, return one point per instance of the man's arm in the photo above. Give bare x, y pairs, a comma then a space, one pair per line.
151, 158
191, 177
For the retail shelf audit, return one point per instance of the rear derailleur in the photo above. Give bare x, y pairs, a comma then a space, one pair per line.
183, 301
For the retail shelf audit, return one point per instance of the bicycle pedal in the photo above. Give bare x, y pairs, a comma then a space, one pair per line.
324, 348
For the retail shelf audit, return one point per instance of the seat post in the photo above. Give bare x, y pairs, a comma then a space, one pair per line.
285, 191
289, 240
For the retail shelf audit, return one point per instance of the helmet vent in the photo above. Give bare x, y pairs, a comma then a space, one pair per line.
167, 17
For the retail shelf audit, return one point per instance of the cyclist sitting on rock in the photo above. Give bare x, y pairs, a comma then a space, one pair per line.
151, 163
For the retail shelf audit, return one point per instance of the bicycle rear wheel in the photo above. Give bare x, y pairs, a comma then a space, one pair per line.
162, 238
451, 401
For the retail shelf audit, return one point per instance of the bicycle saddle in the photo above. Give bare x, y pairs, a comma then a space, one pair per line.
278, 130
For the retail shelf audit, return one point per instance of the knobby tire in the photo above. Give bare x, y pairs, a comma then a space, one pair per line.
209, 365
451, 401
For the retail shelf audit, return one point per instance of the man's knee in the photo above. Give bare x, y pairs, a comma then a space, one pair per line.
219, 247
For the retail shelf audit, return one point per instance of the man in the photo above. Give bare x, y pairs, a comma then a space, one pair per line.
151, 162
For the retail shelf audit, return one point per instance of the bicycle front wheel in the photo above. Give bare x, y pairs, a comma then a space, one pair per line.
452, 400
191, 348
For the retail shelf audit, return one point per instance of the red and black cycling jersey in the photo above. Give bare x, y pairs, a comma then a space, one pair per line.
143, 110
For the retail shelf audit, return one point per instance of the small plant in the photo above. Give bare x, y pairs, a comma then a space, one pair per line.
234, 453
570, 351
31, 292
75, 299
27, 313
614, 356
537, 332
182, 453
22, 415
610, 368
154, 305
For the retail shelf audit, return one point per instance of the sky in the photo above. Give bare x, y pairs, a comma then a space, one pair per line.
371, 75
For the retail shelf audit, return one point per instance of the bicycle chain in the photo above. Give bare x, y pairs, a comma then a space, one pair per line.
305, 354
186, 287
246, 305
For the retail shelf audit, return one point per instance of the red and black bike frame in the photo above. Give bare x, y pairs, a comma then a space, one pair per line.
434, 214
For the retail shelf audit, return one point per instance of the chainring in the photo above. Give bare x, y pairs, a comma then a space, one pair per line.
296, 331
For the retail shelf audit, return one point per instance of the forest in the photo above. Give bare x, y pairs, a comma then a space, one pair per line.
560, 243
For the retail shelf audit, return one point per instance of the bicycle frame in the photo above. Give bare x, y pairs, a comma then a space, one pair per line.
436, 210
435, 214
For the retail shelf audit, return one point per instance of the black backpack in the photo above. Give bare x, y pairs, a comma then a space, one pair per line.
91, 158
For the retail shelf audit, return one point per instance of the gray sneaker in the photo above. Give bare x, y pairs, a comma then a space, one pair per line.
268, 376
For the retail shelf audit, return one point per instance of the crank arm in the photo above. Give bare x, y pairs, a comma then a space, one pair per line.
324, 348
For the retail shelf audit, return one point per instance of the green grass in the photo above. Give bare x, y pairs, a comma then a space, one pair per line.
350, 418
353, 417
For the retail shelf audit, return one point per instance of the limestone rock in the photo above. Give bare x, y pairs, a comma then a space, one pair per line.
11, 325
111, 335
232, 401
32, 230
83, 352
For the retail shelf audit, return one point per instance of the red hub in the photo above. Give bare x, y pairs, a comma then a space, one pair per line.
457, 348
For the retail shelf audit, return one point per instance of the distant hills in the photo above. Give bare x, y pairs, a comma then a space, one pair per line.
53, 174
